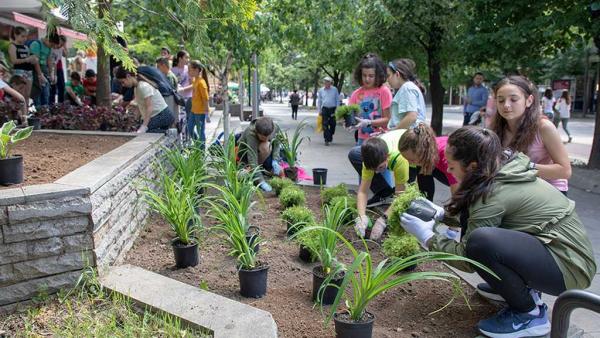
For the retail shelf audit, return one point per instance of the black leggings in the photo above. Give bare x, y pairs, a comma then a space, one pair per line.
520, 260
425, 182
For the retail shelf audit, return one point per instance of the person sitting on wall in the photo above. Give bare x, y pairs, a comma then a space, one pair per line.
258, 145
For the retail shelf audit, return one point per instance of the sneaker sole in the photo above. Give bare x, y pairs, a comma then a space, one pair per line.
493, 296
536, 331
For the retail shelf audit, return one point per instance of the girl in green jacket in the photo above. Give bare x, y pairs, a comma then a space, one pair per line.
519, 226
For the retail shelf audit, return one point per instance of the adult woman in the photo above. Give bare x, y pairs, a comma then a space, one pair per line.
519, 226
548, 102
408, 105
521, 128
564, 109
156, 115
180, 69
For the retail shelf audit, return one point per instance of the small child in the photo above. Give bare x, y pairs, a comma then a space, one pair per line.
74, 90
89, 85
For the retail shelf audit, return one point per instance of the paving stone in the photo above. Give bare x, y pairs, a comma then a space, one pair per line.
12, 196
28, 289
40, 192
225, 317
45, 229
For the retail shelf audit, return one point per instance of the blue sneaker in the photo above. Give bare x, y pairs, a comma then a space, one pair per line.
510, 324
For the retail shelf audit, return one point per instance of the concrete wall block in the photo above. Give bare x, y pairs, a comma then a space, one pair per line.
45, 229
3, 215
44, 248
78, 243
51, 265
7, 275
28, 289
13, 252
42, 210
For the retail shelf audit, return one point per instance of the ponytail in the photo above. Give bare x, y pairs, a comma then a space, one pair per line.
406, 69
421, 141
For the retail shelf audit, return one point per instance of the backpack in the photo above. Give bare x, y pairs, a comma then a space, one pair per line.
161, 83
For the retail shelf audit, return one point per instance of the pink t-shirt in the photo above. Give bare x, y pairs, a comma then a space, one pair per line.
372, 103
538, 153
442, 163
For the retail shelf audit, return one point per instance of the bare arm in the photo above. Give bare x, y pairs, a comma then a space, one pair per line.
148, 111
73, 95
361, 197
561, 168
407, 120
382, 121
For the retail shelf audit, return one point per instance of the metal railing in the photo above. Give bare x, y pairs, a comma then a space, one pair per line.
564, 306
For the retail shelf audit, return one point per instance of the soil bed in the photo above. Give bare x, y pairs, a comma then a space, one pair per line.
48, 157
402, 312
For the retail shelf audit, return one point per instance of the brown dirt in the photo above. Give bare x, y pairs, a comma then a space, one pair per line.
401, 312
48, 157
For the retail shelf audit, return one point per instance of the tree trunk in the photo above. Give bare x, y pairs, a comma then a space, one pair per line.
103, 75
437, 91
306, 94
316, 88
594, 161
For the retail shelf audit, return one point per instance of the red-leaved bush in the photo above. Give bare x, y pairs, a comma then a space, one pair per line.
68, 117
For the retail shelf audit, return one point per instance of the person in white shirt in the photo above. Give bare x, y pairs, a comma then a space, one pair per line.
564, 109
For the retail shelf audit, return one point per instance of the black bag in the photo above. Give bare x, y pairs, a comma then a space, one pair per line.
179, 99
161, 83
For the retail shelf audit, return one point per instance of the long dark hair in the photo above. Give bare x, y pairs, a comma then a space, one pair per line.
565, 95
528, 126
372, 61
179, 55
14, 31
406, 69
482, 148
421, 141
198, 65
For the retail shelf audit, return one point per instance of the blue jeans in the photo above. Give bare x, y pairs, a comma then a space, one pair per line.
189, 124
43, 98
198, 121
382, 183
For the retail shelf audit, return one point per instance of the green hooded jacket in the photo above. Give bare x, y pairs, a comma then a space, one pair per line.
521, 201
248, 144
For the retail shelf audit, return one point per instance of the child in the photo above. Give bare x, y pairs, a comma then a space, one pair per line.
199, 98
373, 97
521, 127
408, 105
421, 148
15, 95
375, 160
24, 63
74, 90
89, 84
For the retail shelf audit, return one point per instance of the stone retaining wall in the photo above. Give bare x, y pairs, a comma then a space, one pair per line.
50, 232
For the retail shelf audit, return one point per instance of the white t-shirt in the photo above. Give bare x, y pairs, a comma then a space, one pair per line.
3, 84
548, 104
564, 109
142, 91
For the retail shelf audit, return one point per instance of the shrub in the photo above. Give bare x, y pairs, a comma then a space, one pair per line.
68, 117
399, 206
297, 217
400, 246
349, 202
309, 240
343, 111
279, 183
291, 196
327, 194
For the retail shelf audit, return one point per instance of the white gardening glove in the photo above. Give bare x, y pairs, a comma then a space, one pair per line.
276, 167
362, 123
452, 234
360, 225
266, 187
422, 230
377, 231
142, 129
439, 211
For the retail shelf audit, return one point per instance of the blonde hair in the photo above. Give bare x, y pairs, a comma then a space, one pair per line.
421, 141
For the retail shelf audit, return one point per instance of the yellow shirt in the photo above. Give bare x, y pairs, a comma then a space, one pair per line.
199, 96
396, 162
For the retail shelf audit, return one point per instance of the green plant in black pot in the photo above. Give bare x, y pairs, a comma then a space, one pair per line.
308, 241
401, 247
327, 194
297, 217
189, 165
11, 166
279, 184
291, 149
348, 202
176, 203
291, 196
348, 113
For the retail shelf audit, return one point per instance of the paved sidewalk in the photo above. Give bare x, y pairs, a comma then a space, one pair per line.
585, 187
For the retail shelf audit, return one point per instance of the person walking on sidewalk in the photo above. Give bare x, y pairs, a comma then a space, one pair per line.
564, 111
327, 101
295, 102
373, 97
476, 98
375, 161
520, 126
519, 226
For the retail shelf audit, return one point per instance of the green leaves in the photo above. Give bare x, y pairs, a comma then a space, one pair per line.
9, 136
291, 146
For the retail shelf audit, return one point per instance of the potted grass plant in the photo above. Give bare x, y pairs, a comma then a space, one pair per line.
176, 203
291, 149
326, 248
189, 165
11, 166
365, 281
348, 113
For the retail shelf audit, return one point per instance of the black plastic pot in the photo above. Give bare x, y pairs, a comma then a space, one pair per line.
291, 173
35, 122
422, 210
253, 283
319, 176
185, 254
11, 170
349, 120
328, 295
347, 328
251, 237
305, 255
